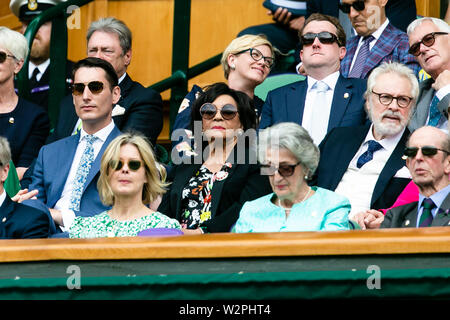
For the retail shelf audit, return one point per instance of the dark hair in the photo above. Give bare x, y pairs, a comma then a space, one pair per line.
340, 33
246, 110
92, 62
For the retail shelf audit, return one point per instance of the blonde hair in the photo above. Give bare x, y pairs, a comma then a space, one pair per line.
243, 43
14, 42
154, 172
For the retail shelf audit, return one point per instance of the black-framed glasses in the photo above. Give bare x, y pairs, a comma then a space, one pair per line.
428, 40
257, 55
285, 170
133, 165
428, 151
357, 5
208, 111
95, 87
324, 37
386, 99
4, 56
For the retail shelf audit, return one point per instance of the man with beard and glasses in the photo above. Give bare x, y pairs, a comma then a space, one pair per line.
39, 65
365, 163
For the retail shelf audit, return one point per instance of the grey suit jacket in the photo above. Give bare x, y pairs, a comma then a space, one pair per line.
426, 94
406, 216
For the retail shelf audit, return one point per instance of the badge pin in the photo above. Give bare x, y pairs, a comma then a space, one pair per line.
4, 219
11, 120
346, 95
407, 223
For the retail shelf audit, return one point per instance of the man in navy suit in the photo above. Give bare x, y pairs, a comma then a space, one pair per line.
17, 221
66, 171
341, 103
365, 163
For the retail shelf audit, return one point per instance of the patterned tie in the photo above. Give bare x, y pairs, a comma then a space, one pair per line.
368, 155
426, 218
82, 172
319, 119
435, 115
361, 58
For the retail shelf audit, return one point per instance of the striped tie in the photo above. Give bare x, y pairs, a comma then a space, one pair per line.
361, 58
426, 218
368, 155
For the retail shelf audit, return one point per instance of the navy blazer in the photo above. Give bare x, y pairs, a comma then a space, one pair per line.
286, 104
337, 150
142, 112
18, 221
52, 169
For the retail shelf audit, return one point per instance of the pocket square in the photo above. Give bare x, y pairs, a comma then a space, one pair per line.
403, 173
118, 110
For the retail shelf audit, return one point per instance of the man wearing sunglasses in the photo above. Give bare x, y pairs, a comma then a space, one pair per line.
326, 99
428, 159
139, 108
429, 40
66, 171
377, 40
39, 64
365, 163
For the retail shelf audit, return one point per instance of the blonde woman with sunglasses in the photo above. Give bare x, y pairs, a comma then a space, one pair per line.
130, 181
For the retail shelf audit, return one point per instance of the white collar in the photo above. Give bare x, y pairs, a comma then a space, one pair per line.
42, 67
102, 134
122, 77
377, 33
330, 80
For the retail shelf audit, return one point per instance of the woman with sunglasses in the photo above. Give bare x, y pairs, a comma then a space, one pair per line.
130, 181
290, 158
246, 63
209, 188
26, 125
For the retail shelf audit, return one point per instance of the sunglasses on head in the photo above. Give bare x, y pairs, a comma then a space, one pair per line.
95, 87
428, 151
285, 170
427, 40
4, 56
208, 111
133, 165
257, 55
357, 5
324, 37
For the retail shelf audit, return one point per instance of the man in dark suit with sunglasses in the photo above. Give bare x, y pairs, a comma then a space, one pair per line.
66, 171
428, 159
429, 39
377, 40
326, 99
365, 163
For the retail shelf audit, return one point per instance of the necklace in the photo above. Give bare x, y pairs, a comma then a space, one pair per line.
289, 209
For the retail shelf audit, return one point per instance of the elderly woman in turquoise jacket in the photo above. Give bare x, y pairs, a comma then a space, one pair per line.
289, 156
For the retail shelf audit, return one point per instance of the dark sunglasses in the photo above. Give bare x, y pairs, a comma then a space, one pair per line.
94, 86
133, 165
257, 55
285, 170
325, 37
4, 56
357, 5
208, 111
386, 99
427, 40
428, 151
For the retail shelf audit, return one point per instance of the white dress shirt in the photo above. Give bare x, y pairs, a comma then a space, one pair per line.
63, 203
2, 197
325, 110
42, 67
358, 184
376, 35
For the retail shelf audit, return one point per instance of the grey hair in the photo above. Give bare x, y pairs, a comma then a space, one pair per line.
14, 42
5, 151
396, 68
441, 24
112, 25
294, 138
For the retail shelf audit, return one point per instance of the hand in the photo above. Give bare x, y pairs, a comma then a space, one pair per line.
442, 80
192, 231
297, 23
281, 15
374, 219
23, 195
57, 216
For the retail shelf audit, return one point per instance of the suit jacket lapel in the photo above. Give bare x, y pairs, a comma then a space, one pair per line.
442, 218
294, 109
410, 219
352, 44
125, 86
420, 115
394, 163
7, 208
339, 104
184, 174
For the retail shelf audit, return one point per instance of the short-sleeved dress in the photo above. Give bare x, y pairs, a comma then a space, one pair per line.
102, 225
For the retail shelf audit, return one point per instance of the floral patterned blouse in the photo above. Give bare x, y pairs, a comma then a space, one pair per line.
102, 225
196, 196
